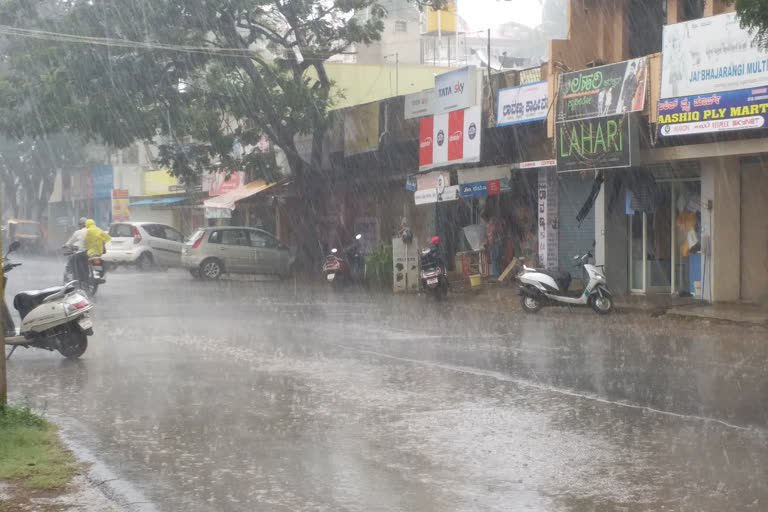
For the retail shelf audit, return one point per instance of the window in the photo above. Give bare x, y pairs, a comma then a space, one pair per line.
215, 237
121, 231
172, 235
263, 240
401, 26
154, 230
234, 237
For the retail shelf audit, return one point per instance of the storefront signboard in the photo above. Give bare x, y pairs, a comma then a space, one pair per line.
433, 196
411, 184
533, 164
522, 104
455, 90
717, 112
481, 189
597, 143
217, 183
419, 104
103, 180
447, 139
120, 200
548, 218
433, 180
712, 54
160, 183
603, 91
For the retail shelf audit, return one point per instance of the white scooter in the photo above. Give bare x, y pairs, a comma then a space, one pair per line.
52, 319
539, 288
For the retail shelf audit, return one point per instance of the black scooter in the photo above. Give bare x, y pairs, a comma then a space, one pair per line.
89, 273
347, 266
434, 273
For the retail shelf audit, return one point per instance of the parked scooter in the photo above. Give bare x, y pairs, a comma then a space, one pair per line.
93, 270
433, 273
51, 319
347, 266
540, 287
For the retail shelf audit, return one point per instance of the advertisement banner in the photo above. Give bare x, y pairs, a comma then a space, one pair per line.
533, 164
161, 183
433, 196
217, 183
603, 91
455, 90
361, 129
419, 104
598, 143
712, 54
450, 138
482, 188
120, 200
103, 179
433, 180
522, 104
718, 112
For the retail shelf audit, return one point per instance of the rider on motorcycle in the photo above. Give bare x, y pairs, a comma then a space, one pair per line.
77, 264
95, 239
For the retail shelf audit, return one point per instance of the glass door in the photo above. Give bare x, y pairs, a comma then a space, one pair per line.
637, 260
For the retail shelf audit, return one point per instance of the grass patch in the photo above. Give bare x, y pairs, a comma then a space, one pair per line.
31, 451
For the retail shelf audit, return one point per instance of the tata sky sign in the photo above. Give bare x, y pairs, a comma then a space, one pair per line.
710, 55
456, 90
522, 104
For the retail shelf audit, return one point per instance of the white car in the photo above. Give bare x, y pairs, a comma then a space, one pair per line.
144, 244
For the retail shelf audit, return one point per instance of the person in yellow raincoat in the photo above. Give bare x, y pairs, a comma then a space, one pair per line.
95, 239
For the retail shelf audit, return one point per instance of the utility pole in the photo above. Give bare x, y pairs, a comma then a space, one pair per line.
3, 381
397, 74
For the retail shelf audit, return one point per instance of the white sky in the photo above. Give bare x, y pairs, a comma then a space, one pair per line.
483, 14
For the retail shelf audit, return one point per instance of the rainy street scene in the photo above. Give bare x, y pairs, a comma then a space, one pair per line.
384, 255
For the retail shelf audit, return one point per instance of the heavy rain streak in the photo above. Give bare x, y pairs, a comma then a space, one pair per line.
384, 255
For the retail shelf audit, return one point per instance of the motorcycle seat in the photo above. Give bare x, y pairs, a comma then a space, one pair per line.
25, 302
561, 277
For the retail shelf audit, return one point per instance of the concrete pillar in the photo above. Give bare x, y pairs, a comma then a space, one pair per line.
721, 226
674, 11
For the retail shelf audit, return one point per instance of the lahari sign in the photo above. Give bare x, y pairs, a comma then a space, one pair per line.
717, 112
455, 90
447, 139
707, 55
603, 91
597, 143
522, 104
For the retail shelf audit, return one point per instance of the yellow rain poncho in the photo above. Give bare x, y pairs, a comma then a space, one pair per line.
95, 239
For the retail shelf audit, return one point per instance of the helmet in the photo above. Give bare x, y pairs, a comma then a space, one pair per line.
82, 222
435, 240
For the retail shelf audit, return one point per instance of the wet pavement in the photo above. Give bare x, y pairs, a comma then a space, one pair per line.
233, 396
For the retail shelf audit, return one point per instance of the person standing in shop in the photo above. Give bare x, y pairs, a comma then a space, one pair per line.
493, 235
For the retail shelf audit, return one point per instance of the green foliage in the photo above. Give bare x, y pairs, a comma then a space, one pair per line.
202, 73
380, 266
30, 450
754, 17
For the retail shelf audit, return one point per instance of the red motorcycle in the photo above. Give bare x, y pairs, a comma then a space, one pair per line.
347, 266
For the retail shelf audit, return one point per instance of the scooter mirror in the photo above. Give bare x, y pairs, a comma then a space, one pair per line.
13, 247
334, 250
358, 237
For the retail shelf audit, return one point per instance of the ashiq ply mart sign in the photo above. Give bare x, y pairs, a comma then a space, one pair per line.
597, 143
456, 90
448, 139
718, 112
522, 104
709, 55
603, 91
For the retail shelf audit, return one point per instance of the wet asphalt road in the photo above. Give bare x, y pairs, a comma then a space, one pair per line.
240, 396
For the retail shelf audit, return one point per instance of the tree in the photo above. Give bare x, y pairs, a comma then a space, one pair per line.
754, 17
202, 73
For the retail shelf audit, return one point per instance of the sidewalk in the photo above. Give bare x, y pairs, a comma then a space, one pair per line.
654, 305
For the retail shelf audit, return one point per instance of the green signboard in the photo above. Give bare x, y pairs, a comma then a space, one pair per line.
597, 143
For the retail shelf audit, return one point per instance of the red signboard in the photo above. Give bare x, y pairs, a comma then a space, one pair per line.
494, 187
425, 141
456, 136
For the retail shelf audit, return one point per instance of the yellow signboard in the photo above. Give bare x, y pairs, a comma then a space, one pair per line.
120, 200
160, 183
443, 20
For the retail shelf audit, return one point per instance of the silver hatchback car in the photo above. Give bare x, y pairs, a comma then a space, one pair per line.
211, 252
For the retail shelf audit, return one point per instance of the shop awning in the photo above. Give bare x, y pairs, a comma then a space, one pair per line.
158, 202
227, 201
